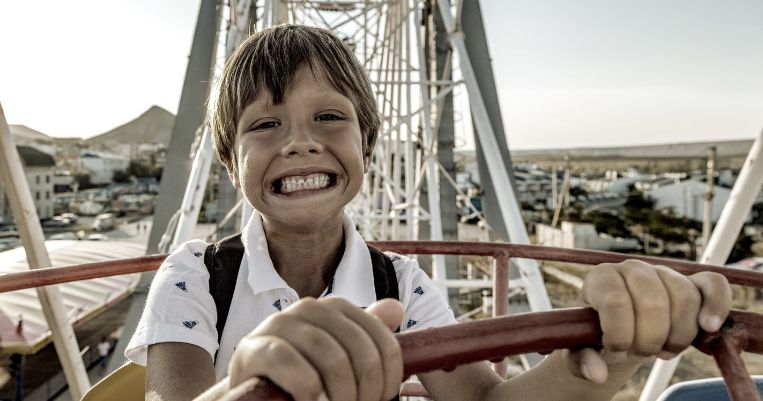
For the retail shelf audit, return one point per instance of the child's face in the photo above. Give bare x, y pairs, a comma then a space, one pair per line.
300, 161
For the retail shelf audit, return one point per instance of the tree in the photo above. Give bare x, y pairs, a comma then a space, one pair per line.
83, 180
121, 176
608, 223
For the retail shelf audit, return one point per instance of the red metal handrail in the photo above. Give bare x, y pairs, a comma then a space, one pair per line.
65, 274
469, 342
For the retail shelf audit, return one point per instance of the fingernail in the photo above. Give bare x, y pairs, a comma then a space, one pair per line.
712, 323
323, 397
586, 369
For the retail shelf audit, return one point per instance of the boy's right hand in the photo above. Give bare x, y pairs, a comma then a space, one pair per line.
326, 346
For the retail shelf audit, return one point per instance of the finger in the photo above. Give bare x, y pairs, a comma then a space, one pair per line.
321, 349
276, 359
685, 301
605, 290
716, 299
366, 359
390, 314
588, 364
390, 311
651, 307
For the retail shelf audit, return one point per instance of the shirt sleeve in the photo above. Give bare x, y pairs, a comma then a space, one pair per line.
424, 305
179, 307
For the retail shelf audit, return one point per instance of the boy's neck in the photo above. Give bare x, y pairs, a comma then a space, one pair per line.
306, 258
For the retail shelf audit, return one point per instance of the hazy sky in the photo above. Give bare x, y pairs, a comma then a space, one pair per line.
569, 73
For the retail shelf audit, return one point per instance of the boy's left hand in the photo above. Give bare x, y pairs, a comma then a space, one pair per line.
647, 310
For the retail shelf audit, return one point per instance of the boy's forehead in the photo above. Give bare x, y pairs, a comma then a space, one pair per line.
320, 88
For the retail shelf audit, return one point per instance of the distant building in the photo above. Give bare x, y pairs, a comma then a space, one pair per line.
687, 199
38, 168
25, 136
582, 236
101, 165
68, 152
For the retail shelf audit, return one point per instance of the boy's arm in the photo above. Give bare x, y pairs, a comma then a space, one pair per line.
550, 380
644, 311
177, 371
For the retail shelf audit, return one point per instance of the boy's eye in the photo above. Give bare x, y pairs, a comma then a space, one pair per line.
265, 125
328, 117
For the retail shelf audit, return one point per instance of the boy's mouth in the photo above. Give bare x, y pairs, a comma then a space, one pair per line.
294, 183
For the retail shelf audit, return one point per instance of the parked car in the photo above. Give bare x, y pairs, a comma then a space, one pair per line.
56, 222
104, 222
71, 216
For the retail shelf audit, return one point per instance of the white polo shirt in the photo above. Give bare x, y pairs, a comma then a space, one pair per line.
180, 308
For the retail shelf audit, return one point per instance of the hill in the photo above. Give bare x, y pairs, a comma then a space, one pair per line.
28, 134
153, 126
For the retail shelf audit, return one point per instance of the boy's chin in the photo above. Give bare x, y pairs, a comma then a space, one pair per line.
310, 220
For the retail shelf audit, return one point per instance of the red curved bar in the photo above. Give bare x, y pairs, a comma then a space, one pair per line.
65, 274
446, 347
86, 271
538, 252
450, 346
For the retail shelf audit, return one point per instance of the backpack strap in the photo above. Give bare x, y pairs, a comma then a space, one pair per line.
223, 260
385, 279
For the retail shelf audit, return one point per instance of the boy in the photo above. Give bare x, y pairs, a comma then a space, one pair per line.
295, 123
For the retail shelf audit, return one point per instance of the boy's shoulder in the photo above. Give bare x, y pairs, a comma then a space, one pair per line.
188, 253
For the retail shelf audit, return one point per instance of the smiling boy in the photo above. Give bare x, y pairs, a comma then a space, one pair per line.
295, 124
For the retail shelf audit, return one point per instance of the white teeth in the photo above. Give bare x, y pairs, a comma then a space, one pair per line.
298, 183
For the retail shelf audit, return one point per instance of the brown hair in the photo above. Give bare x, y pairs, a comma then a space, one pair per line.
269, 60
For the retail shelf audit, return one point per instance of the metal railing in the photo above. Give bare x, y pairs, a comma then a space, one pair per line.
447, 347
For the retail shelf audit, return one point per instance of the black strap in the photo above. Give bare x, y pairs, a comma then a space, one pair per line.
223, 259
385, 279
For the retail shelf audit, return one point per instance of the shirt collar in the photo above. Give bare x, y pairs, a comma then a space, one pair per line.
353, 279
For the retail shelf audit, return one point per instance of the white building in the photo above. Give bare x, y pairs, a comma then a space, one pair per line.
581, 236
687, 199
38, 168
101, 165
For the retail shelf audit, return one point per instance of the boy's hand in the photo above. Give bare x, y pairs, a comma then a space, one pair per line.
328, 347
647, 310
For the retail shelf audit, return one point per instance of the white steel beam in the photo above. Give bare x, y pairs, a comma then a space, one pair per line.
718, 248
536, 293
17, 190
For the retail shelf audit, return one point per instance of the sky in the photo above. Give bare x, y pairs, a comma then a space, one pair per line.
569, 73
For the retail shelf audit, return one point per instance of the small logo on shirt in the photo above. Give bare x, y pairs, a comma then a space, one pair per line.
277, 304
198, 254
192, 323
411, 323
181, 285
418, 290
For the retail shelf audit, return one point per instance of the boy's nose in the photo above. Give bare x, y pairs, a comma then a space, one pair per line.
301, 142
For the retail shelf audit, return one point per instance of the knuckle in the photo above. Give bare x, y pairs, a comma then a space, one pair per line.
368, 369
687, 300
615, 300
305, 303
651, 304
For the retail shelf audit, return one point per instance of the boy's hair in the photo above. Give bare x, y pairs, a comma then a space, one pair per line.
269, 60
